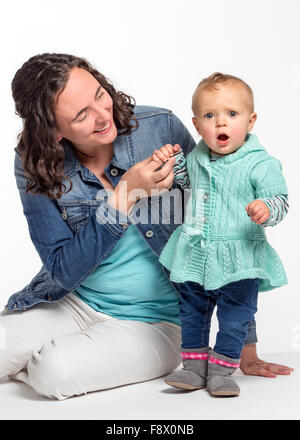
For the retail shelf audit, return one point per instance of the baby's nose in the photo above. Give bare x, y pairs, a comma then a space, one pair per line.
221, 122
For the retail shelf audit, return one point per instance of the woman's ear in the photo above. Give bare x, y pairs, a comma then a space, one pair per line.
58, 136
252, 120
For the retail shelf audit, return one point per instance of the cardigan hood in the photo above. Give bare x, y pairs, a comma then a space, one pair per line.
252, 144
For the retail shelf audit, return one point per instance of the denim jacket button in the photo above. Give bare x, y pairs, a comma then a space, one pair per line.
149, 234
124, 225
49, 297
114, 172
64, 214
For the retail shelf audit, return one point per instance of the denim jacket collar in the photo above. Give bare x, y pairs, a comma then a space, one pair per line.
123, 158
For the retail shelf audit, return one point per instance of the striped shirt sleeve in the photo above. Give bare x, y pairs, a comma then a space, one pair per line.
278, 206
181, 175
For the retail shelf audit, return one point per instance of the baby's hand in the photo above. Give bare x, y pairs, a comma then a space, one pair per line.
258, 211
165, 152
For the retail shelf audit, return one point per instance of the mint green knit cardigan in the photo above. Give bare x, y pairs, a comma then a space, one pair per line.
218, 244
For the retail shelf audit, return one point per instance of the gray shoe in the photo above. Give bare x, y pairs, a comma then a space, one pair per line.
193, 374
219, 370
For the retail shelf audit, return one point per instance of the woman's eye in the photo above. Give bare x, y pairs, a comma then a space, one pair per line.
208, 115
82, 117
232, 113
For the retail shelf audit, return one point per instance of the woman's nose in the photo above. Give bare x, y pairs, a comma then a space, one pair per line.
101, 114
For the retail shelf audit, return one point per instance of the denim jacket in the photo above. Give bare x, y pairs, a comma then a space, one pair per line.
72, 235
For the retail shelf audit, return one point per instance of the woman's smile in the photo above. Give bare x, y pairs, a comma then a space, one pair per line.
104, 130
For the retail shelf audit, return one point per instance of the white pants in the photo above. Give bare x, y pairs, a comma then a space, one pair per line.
66, 348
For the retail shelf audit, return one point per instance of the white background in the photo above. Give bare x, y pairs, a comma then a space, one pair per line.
158, 51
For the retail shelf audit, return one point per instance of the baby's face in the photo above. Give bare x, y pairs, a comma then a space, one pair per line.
223, 117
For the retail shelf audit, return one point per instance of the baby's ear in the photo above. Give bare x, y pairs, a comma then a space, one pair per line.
196, 124
252, 120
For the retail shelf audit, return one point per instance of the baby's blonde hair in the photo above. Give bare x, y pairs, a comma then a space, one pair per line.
212, 81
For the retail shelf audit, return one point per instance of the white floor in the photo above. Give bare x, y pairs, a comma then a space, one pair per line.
260, 398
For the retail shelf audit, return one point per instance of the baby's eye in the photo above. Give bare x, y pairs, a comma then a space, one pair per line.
208, 115
232, 113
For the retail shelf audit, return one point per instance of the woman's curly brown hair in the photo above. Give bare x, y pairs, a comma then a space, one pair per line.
35, 88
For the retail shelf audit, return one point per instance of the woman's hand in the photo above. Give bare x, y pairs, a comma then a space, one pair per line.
252, 365
140, 180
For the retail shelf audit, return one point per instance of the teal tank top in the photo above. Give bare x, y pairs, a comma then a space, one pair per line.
130, 283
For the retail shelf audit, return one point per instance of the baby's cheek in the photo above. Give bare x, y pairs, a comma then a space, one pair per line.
238, 134
208, 135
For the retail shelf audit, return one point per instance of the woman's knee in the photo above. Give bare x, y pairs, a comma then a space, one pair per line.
50, 373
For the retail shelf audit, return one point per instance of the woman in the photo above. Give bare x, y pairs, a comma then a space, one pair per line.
105, 313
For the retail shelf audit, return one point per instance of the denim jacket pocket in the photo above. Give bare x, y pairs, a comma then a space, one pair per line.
75, 215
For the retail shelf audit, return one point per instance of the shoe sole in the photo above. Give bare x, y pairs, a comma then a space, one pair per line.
183, 386
225, 393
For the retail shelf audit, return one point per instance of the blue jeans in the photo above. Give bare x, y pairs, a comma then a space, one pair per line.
236, 305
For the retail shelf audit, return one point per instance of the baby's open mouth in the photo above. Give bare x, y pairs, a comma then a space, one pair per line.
223, 137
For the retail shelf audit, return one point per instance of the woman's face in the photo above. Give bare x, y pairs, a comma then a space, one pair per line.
84, 113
